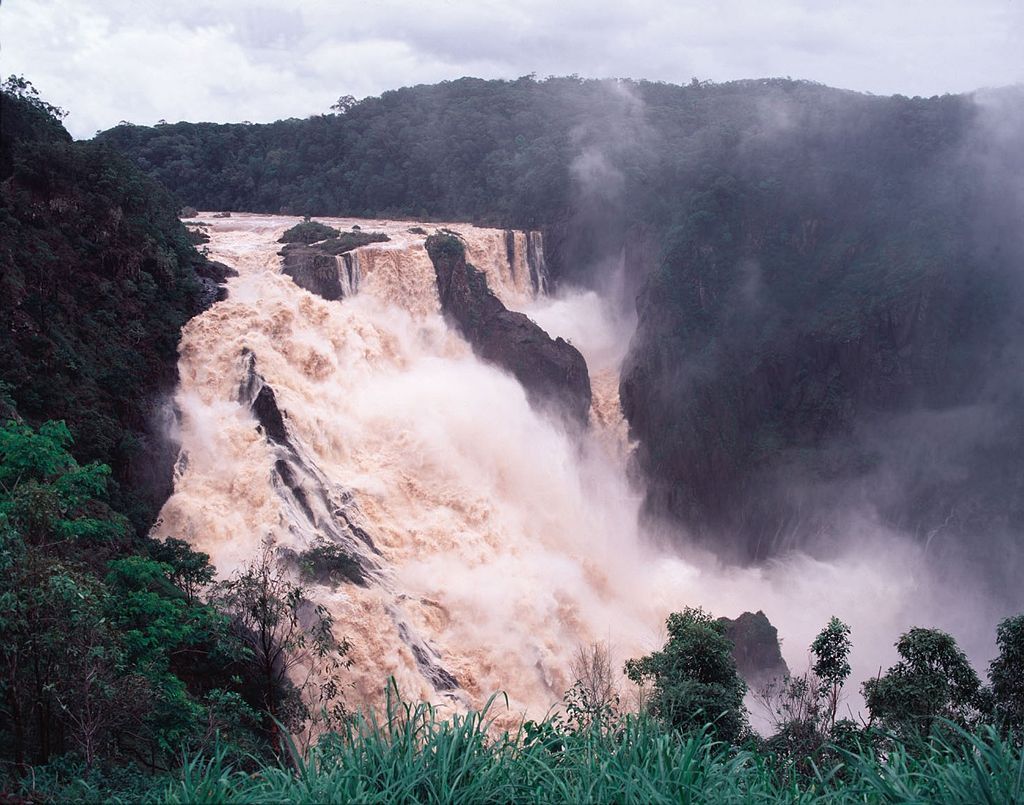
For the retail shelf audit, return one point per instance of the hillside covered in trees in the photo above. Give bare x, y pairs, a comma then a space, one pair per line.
827, 283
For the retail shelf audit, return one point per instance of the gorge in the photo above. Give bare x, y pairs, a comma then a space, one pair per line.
556, 363
487, 540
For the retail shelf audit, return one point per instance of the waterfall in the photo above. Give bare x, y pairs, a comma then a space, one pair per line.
535, 260
482, 543
350, 276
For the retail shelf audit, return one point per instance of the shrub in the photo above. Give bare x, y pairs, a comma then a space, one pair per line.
308, 232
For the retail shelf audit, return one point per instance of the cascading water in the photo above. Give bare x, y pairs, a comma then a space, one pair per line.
485, 543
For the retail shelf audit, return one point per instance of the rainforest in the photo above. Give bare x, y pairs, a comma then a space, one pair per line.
556, 440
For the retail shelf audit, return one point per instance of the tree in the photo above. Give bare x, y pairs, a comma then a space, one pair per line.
189, 570
932, 681
285, 633
61, 663
97, 642
694, 677
831, 649
344, 104
20, 87
593, 699
803, 707
1006, 673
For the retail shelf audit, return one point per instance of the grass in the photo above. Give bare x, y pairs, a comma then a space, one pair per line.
418, 756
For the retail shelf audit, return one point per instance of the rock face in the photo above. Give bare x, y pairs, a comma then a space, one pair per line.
316, 267
552, 371
313, 269
813, 353
755, 648
213, 275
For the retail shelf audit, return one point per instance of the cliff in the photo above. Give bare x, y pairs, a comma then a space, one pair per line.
97, 277
827, 340
552, 371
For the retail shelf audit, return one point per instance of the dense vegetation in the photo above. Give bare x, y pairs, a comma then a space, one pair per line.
827, 281
698, 748
97, 277
420, 756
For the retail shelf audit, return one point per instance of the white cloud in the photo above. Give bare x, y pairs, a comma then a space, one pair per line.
110, 60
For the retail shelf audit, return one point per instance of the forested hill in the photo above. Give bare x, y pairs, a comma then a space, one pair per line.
107, 651
583, 159
827, 283
97, 277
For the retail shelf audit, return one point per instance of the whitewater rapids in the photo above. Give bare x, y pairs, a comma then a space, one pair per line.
500, 542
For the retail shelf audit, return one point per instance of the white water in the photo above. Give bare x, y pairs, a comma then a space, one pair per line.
503, 543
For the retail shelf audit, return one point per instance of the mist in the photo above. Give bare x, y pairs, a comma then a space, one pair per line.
503, 542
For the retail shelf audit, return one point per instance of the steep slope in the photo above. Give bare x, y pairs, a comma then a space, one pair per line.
97, 277
552, 371
835, 338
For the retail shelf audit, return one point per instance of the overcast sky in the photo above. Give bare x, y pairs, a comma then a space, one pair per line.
145, 60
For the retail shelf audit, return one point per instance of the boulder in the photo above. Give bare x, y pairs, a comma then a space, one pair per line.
755, 648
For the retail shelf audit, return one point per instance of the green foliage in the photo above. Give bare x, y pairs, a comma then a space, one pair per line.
419, 755
97, 277
1006, 674
95, 638
47, 497
831, 649
26, 116
308, 232
803, 708
931, 684
446, 244
694, 679
188, 570
347, 241
329, 563
282, 632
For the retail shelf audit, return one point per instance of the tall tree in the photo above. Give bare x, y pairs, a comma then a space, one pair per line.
694, 678
1006, 674
933, 680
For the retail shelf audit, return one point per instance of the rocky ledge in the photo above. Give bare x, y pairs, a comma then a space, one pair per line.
552, 371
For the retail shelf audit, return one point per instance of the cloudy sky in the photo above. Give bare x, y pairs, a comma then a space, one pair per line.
233, 60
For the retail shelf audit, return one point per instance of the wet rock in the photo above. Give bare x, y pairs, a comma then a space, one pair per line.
313, 269
315, 266
755, 648
552, 371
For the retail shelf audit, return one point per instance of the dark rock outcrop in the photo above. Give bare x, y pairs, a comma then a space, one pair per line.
318, 508
552, 371
316, 268
313, 269
755, 648
213, 275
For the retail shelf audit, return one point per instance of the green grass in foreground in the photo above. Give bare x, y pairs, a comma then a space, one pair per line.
420, 756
